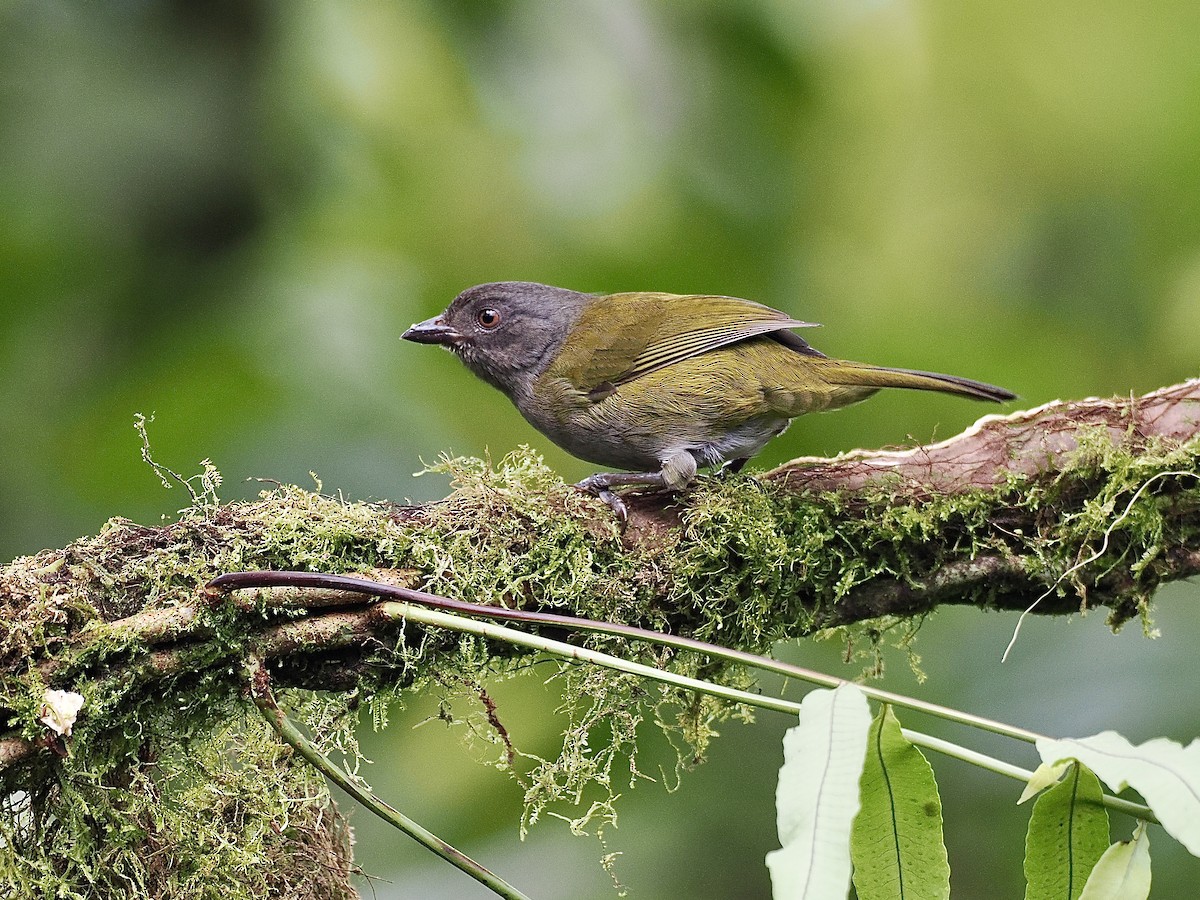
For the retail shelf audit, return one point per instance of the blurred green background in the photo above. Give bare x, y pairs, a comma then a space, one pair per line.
226, 214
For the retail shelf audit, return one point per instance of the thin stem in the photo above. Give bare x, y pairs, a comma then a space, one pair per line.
974, 757
287, 730
1001, 767
425, 616
1096, 554
411, 612
243, 580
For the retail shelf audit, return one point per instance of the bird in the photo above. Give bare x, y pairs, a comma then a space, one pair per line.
658, 385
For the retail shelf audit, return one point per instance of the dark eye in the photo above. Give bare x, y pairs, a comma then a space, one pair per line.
488, 318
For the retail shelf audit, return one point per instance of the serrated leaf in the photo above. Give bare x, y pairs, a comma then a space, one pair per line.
1123, 872
1166, 773
1043, 776
817, 796
896, 842
1068, 833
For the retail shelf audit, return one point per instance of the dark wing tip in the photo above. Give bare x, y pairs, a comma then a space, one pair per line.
793, 341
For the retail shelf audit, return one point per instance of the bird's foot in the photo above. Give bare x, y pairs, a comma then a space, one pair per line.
600, 486
602, 483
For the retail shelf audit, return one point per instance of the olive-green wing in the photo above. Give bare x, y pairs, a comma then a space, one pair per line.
641, 333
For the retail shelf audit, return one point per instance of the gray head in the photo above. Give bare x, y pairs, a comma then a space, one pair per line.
507, 332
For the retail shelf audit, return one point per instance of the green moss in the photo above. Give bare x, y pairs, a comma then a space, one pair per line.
173, 810
749, 565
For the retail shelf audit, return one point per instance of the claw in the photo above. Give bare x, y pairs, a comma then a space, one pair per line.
602, 483
597, 486
616, 504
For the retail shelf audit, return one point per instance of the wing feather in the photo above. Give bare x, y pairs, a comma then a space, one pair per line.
648, 332
694, 343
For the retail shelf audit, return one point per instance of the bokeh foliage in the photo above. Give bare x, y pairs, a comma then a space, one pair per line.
226, 216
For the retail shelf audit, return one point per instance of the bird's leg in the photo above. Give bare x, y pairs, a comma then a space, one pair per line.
676, 472
602, 483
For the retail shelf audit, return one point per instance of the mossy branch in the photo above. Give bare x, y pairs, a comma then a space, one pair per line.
1086, 503
993, 517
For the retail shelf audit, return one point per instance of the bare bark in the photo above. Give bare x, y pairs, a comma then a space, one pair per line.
1028, 443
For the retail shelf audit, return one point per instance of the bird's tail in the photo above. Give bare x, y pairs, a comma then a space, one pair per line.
814, 384
850, 374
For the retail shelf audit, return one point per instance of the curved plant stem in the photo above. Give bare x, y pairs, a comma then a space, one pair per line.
244, 580
1096, 554
1117, 804
414, 613
419, 606
287, 730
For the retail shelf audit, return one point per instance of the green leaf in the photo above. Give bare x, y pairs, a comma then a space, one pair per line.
1166, 773
896, 842
817, 796
1068, 833
1123, 872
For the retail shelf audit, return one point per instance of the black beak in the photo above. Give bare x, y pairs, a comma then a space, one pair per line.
432, 331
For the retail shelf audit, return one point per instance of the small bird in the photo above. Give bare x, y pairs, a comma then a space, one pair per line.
655, 384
